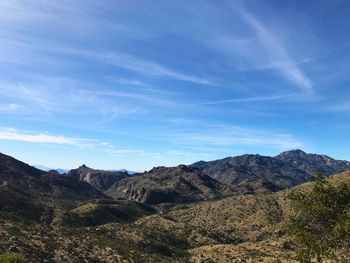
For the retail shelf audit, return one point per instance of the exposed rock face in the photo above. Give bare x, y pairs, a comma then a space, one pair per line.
100, 179
168, 185
285, 170
312, 163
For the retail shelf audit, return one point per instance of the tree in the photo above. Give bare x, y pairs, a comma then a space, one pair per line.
12, 258
320, 221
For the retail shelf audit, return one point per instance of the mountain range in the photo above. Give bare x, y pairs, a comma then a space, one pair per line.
185, 213
210, 180
284, 170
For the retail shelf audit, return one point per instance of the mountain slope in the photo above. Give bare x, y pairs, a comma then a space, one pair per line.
34, 194
285, 170
168, 185
312, 163
249, 168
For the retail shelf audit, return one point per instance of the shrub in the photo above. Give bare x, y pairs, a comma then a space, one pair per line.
320, 221
12, 258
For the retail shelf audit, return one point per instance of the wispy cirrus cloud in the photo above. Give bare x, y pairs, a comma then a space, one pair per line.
9, 134
277, 54
340, 107
261, 49
226, 135
68, 96
285, 141
241, 100
149, 67
78, 21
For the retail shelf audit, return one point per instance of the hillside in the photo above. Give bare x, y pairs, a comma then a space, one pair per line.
31, 194
179, 184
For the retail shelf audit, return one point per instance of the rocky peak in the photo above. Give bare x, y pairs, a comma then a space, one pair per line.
292, 154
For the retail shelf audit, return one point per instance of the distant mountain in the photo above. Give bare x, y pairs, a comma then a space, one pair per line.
47, 169
312, 163
168, 185
285, 170
125, 170
100, 179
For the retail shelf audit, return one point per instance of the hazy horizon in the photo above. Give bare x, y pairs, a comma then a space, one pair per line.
132, 85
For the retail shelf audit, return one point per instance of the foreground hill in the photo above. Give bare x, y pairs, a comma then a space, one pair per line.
284, 171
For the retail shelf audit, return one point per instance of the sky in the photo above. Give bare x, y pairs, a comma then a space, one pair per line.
136, 84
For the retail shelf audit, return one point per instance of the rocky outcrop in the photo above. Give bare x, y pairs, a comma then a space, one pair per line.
100, 179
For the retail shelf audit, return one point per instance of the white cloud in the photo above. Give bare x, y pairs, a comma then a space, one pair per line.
11, 107
14, 135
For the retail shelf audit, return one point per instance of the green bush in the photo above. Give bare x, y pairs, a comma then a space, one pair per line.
12, 258
320, 221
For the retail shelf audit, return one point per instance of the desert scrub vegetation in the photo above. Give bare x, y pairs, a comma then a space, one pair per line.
12, 258
319, 222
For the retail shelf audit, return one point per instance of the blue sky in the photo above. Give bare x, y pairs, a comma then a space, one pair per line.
136, 84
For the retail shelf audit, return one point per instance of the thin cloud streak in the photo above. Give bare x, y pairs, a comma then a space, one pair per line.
14, 135
277, 54
35, 98
337, 108
234, 135
242, 100
148, 68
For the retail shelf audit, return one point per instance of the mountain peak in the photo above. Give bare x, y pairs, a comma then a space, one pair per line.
293, 152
